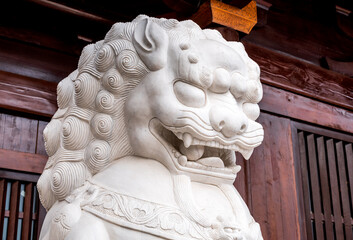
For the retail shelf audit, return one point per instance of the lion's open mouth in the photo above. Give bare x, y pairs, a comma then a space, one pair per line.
208, 155
190, 149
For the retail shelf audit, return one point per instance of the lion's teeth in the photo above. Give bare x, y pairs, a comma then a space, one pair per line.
196, 141
212, 162
246, 153
182, 160
187, 139
236, 169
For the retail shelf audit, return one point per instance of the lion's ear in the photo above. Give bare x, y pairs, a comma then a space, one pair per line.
151, 44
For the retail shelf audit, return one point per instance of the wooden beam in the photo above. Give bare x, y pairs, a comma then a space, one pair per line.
20, 161
301, 108
345, 68
73, 11
27, 94
303, 78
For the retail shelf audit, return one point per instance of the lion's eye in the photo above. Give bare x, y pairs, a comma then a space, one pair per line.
189, 95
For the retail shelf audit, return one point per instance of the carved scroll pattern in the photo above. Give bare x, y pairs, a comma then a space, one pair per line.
166, 221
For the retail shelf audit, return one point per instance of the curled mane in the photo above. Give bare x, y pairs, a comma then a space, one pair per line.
87, 132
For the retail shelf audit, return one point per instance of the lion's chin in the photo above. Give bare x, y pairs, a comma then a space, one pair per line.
193, 157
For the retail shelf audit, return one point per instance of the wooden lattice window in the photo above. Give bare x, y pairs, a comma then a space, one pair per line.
21, 214
325, 183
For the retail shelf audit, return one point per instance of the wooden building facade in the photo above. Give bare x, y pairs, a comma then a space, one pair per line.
298, 184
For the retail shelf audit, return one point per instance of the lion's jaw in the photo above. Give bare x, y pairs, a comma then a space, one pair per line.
197, 141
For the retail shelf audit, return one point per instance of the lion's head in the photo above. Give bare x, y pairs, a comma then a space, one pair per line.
158, 89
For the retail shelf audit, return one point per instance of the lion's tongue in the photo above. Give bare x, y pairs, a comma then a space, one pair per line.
192, 153
211, 162
195, 152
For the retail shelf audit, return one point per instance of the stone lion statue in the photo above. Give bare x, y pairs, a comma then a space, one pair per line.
142, 145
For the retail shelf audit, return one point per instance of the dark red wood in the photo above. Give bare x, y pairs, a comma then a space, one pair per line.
12, 133
349, 154
2, 129
300, 77
315, 186
27, 162
273, 192
336, 204
241, 181
298, 107
345, 68
325, 187
27, 94
344, 190
2, 202
288, 31
69, 10
182, 6
41, 215
323, 131
259, 200
27, 212
305, 185
28, 135
35, 62
21, 176
13, 219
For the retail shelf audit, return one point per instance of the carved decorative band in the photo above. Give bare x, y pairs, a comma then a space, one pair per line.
138, 214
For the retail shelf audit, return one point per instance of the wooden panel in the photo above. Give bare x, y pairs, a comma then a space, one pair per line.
41, 216
12, 133
325, 188
28, 135
27, 94
349, 154
344, 190
18, 133
260, 192
27, 162
306, 192
27, 213
273, 191
13, 219
2, 203
241, 181
301, 77
315, 186
334, 190
2, 129
288, 104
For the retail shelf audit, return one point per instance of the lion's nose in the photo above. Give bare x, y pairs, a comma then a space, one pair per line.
228, 122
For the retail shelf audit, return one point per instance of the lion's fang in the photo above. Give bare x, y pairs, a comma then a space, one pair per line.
187, 139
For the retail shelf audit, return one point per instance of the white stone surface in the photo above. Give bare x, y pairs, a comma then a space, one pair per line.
142, 145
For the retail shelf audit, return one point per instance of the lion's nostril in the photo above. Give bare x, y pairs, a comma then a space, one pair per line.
242, 128
221, 124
